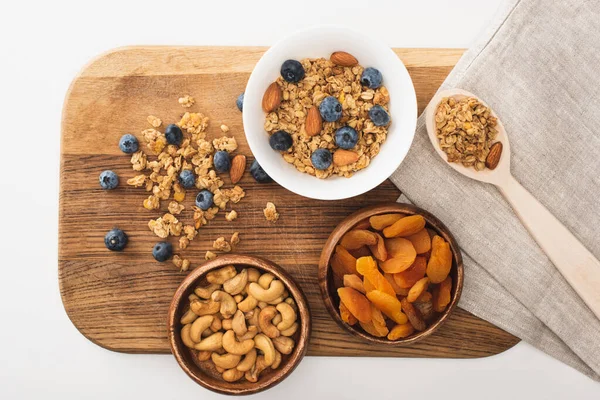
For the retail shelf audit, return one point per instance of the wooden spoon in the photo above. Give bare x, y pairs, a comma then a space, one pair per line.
579, 267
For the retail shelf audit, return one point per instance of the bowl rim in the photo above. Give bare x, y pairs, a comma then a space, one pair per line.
347, 224
173, 324
385, 170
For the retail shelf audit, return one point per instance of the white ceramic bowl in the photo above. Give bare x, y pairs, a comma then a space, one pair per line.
321, 41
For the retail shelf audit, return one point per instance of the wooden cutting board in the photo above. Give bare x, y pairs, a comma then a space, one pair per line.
120, 300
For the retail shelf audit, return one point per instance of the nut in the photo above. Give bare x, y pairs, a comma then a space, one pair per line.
271, 98
274, 291
264, 344
238, 166
248, 361
252, 331
288, 316
212, 343
199, 326
233, 346
188, 317
264, 322
204, 355
201, 308
249, 303
185, 336
291, 330
253, 275
226, 360
232, 375
228, 304
238, 323
236, 284
493, 157
221, 275
283, 344
259, 366
314, 122
343, 59
343, 157
206, 291
265, 280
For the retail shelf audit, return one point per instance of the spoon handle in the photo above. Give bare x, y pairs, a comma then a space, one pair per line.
579, 267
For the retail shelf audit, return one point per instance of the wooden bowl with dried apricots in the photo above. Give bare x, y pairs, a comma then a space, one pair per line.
391, 274
238, 324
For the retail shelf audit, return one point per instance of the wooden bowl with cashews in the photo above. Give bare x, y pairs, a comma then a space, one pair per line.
238, 325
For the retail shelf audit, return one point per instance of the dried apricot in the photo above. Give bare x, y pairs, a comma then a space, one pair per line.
368, 268
405, 226
348, 261
364, 224
406, 279
368, 285
442, 295
414, 316
346, 315
419, 287
380, 222
378, 250
378, 321
362, 251
337, 266
421, 241
399, 291
401, 331
370, 328
402, 255
356, 303
440, 261
354, 282
387, 304
357, 238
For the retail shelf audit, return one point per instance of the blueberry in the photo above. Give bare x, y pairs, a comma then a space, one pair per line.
330, 109
173, 134
162, 251
321, 159
222, 161
128, 144
240, 102
259, 174
204, 200
281, 141
115, 240
109, 180
379, 116
371, 78
292, 71
346, 137
187, 179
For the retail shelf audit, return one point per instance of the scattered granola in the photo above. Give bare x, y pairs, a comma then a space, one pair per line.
186, 101
235, 239
271, 213
231, 215
221, 245
183, 242
466, 131
182, 264
176, 208
154, 121
210, 255
165, 226
224, 128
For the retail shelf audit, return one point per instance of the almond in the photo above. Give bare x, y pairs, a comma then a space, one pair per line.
493, 157
343, 59
271, 98
238, 166
344, 157
314, 122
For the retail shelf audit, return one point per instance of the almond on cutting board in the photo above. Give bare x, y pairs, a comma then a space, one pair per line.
314, 121
493, 157
238, 166
343, 157
343, 59
271, 98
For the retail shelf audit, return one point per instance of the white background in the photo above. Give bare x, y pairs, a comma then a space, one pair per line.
42, 46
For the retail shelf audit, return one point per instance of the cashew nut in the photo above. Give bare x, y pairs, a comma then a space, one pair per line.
185, 336
226, 324
264, 344
277, 360
238, 298
253, 275
226, 361
277, 300
262, 304
257, 368
228, 304
292, 303
199, 326
206, 291
232, 375
238, 323
216, 324
291, 330
247, 362
192, 296
276, 319
274, 291
231, 344
236, 284
252, 331
206, 333
220, 276
265, 280
204, 355
249, 303
201, 308
219, 369
212, 343
188, 317
283, 344
253, 319
288, 316
264, 322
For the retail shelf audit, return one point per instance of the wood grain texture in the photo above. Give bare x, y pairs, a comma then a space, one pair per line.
120, 300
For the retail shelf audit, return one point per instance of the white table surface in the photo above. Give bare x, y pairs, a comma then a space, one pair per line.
43, 45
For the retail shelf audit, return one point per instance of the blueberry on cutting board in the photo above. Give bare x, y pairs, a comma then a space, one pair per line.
162, 251
115, 240
204, 200
109, 180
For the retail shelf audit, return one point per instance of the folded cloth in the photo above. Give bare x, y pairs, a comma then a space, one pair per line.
538, 67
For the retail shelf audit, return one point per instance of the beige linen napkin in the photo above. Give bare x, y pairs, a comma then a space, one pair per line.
538, 67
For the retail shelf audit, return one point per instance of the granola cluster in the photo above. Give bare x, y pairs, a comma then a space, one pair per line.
324, 78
